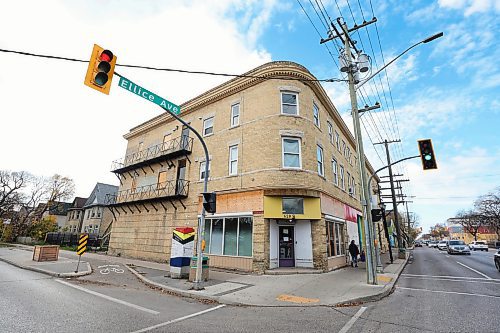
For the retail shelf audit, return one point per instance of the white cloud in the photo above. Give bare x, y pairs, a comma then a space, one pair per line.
471, 7
53, 123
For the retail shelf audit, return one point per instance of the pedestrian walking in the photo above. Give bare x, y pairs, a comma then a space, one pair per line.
354, 251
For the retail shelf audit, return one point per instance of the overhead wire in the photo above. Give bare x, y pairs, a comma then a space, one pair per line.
172, 69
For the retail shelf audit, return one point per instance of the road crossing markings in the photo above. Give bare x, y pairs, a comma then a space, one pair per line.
351, 322
449, 292
179, 319
492, 281
109, 298
472, 269
450, 277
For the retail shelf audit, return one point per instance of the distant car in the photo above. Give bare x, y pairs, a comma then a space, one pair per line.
433, 244
457, 246
497, 260
478, 245
443, 245
418, 244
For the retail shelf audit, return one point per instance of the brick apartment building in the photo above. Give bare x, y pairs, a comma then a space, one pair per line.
282, 162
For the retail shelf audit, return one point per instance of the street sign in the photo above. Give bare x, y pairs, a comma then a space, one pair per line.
82, 244
146, 94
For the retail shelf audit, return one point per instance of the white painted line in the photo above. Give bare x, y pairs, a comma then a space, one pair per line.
451, 277
109, 298
453, 280
349, 324
179, 319
449, 292
472, 269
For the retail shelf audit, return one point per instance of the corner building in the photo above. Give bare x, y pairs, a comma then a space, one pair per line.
282, 162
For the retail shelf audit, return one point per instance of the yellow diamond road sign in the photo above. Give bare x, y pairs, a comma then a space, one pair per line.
82, 244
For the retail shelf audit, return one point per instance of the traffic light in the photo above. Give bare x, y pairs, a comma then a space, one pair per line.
210, 202
376, 214
101, 68
427, 154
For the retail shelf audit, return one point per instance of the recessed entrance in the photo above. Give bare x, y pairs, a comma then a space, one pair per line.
286, 246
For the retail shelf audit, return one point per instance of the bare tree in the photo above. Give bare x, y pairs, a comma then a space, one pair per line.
488, 207
11, 183
471, 221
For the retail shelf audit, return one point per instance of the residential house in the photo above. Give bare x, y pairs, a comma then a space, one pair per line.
75, 215
97, 216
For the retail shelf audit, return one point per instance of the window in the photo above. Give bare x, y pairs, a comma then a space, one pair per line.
162, 180
235, 115
289, 103
343, 147
98, 212
335, 172
292, 205
353, 184
335, 242
208, 126
93, 212
231, 236
348, 154
202, 170
348, 176
319, 155
337, 140
233, 160
316, 114
88, 214
330, 131
342, 183
291, 153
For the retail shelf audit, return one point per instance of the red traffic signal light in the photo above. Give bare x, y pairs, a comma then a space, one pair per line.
101, 69
427, 154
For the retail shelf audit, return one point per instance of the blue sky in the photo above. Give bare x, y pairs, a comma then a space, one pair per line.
446, 90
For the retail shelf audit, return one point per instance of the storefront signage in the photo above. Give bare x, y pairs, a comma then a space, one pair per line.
273, 209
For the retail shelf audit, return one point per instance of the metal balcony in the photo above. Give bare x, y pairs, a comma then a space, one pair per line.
155, 154
172, 189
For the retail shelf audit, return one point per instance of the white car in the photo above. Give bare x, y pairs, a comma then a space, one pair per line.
478, 245
443, 245
433, 244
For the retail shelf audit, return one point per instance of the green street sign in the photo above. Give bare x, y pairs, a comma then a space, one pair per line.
146, 94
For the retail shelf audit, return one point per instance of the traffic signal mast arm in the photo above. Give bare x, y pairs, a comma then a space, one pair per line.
385, 167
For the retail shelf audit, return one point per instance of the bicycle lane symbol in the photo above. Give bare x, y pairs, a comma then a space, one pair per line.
106, 269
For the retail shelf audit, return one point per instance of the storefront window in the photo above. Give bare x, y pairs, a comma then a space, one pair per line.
245, 237
230, 236
216, 239
335, 239
293, 206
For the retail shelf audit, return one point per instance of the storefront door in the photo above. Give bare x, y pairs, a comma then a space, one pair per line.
286, 246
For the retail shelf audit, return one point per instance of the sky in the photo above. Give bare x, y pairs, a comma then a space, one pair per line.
446, 90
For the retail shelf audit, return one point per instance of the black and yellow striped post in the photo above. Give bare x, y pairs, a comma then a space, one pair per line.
82, 247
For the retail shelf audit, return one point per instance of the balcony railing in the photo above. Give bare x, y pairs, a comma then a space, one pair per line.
170, 189
160, 152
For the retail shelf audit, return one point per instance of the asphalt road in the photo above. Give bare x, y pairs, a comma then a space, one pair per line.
436, 293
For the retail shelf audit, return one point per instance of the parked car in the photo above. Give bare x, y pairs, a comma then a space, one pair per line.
433, 244
497, 260
458, 246
418, 244
443, 245
478, 245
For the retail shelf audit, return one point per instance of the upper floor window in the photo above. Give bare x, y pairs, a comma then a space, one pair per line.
235, 115
342, 183
319, 155
208, 126
349, 182
202, 169
343, 147
316, 114
337, 140
233, 160
348, 154
162, 180
289, 103
330, 131
291, 153
353, 186
335, 172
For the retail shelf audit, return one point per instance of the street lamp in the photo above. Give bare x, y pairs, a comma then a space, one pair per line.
353, 68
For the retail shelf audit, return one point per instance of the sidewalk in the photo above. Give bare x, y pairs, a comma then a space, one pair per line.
343, 286
22, 257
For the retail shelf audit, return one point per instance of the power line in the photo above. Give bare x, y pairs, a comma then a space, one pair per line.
173, 69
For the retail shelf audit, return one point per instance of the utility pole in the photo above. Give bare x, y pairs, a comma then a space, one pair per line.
401, 252
371, 275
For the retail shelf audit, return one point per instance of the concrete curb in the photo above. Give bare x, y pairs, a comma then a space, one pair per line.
54, 274
177, 291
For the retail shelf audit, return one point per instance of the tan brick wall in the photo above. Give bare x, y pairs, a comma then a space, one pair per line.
259, 139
